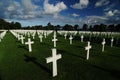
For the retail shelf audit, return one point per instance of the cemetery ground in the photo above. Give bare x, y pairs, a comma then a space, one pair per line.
16, 63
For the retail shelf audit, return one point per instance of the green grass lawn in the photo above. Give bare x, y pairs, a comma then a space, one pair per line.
16, 63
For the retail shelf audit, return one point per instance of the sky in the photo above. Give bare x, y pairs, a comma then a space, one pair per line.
60, 12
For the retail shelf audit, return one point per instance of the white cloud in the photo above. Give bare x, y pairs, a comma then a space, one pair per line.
82, 4
75, 15
12, 9
112, 13
29, 10
102, 3
53, 9
25, 9
107, 8
36, 0
13, 6
95, 19
28, 6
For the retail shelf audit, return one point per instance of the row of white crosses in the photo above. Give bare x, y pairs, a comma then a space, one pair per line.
82, 37
103, 43
71, 38
21, 37
29, 42
54, 38
2, 35
28, 33
88, 47
105, 34
54, 57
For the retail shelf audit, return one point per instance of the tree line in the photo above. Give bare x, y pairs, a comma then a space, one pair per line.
85, 27
7, 25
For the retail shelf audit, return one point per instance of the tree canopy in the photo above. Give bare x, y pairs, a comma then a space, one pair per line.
85, 27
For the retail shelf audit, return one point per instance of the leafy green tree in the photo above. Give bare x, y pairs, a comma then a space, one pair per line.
50, 26
76, 27
85, 27
90, 28
111, 28
17, 25
68, 27
117, 28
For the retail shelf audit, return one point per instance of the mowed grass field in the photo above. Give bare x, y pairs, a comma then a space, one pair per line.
16, 63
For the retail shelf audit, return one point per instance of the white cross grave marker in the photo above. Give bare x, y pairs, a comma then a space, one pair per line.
22, 39
70, 39
88, 47
82, 38
54, 40
41, 36
29, 44
112, 42
65, 35
18, 36
33, 36
54, 34
54, 59
103, 43
28, 34
45, 34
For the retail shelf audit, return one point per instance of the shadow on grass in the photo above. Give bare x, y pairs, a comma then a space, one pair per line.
71, 54
79, 46
113, 72
18, 41
33, 60
114, 56
0, 76
23, 47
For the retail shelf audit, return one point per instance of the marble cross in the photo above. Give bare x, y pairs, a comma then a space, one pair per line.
22, 39
103, 43
112, 42
18, 36
54, 59
54, 40
29, 43
33, 36
88, 47
54, 34
70, 38
41, 36
65, 35
28, 34
82, 38
45, 34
